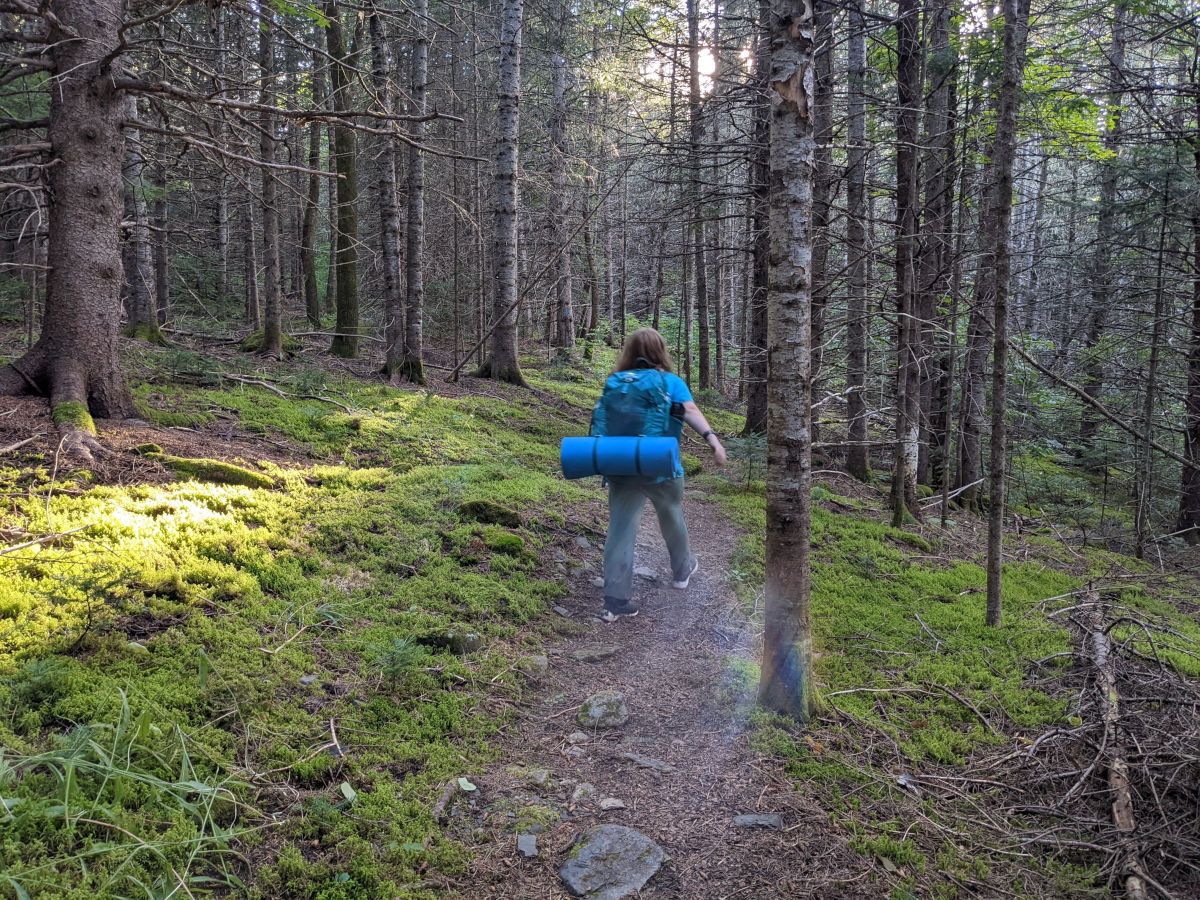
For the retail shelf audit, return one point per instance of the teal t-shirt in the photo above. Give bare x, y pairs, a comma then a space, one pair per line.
680, 393
678, 388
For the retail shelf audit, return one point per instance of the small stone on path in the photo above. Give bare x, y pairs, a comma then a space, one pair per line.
645, 572
307, 679
535, 664
609, 803
605, 709
648, 763
578, 737
562, 611
759, 820
592, 654
527, 844
561, 557
611, 862
582, 543
598, 582
582, 792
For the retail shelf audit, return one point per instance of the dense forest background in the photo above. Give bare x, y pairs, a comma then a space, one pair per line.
296, 302
320, 169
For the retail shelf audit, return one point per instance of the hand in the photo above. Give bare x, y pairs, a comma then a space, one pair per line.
718, 449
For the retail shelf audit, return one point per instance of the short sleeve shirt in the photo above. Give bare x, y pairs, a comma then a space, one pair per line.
678, 388
680, 393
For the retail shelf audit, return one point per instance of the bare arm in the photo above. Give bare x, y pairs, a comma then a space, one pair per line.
695, 418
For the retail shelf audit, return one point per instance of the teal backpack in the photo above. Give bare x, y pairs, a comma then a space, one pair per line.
636, 403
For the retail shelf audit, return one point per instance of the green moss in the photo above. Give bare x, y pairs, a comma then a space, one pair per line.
147, 331
503, 541
253, 343
212, 470
490, 512
173, 419
913, 540
147, 449
691, 465
74, 415
901, 853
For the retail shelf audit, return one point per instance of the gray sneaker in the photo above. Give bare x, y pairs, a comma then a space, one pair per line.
615, 609
686, 579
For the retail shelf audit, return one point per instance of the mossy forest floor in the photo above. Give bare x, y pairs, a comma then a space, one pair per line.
302, 647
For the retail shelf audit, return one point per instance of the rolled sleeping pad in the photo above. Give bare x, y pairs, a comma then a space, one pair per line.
651, 457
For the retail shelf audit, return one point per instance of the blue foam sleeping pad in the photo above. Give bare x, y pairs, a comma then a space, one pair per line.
652, 457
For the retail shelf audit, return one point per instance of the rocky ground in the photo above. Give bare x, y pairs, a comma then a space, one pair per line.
634, 768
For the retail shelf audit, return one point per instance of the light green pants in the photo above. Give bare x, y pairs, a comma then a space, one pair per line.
626, 499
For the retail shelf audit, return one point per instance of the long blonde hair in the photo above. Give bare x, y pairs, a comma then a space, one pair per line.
644, 349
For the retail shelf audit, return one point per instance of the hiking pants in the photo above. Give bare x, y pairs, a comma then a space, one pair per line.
627, 497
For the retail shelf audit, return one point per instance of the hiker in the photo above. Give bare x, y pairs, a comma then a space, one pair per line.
643, 397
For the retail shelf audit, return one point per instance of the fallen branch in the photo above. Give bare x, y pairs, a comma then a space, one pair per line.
931, 501
258, 382
45, 538
1118, 769
19, 444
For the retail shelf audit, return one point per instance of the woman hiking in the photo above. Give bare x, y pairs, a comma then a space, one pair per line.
643, 397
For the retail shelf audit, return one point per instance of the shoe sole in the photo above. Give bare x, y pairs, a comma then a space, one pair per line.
610, 616
686, 581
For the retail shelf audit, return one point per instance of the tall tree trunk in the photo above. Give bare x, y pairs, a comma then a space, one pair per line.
1189, 499
75, 359
346, 165
996, 269
221, 216
1106, 223
857, 463
414, 308
502, 364
564, 323
934, 263
823, 182
389, 211
696, 198
138, 254
272, 344
589, 256
973, 402
1146, 457
717, 284
1029, 294
908, 332
253, 311
312, 203
756, 345
221, 211
162, 237
787, 684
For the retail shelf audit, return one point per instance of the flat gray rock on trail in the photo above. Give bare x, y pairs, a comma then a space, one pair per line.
611, 862
606, 709
647, 762
759, 820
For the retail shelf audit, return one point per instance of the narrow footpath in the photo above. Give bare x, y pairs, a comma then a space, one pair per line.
678, 771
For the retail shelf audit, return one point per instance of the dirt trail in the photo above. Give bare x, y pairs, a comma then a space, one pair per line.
670, 663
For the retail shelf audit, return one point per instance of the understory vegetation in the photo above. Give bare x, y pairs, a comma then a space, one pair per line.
931, 718
260, 674
198, 673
